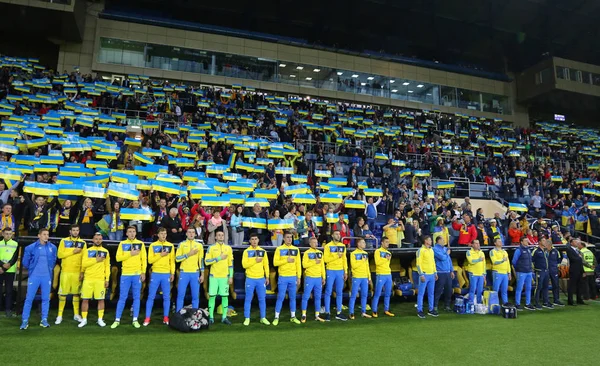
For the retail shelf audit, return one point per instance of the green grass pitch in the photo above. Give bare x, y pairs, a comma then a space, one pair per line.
563, 336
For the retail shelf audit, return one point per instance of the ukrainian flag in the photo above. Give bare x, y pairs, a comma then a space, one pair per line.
284, 170
184, 163
215, 201
583, 181
106, 155
216, 169
263, 202
200, 193
167, 150
53, 160
344, 191
166, 187
231, 177
10, 174
41, 189
151, 153
323, 173
521, 174
564, 191
136, 214
168, 178
264, 161
120, 177
331, 198
149, 171
299, 178
422, 173
9, 149
280, 224
254, 223
404, 173
143, 159
332, 218
240, 187
363, 185
398, 163
373, 192
266, 193
590, 191
381, 156
220, 187
517, 207
244, 166
45, 168
594, 205
338, 181
446, 185
354, 204
70, 189
296, 189
556, 178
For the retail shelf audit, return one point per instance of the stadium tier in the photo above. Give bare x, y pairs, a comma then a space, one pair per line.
151, 161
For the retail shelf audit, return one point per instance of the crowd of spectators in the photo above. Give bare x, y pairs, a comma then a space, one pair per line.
376, 150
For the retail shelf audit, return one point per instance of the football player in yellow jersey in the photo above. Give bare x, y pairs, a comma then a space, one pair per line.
95, 267
476, 260
336, 264
361, 278
161, 255
287, 258
256, 264
427, 277
384, 278
314, 278
69, 251
219, 257
501, 270
132, 254
190, 254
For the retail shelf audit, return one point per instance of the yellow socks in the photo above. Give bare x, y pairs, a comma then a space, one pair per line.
84, 314
76, 305
101, 314
62, 301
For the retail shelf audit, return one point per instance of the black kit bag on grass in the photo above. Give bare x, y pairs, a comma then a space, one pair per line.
189, 320
509, 311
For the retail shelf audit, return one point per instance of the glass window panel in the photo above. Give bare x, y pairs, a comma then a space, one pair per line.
448, 94
586, 77
468, 99
560, 72
573, 74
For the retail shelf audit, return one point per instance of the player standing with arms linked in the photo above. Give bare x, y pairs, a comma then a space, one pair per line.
132, 254
95, 267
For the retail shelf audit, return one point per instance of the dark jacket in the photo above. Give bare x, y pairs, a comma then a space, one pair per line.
540, 259
575, 260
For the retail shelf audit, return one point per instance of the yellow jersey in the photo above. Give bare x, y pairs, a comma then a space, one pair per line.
476, 260
190, 264
254, 269
426, 261
219, 268
71, 263
280, 260
91, 268
310, 265
500, 262
359, 262
332, 259
392, 234
382, 262
159, 263
132, 265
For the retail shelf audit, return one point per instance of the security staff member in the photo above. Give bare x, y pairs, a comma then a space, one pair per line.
8, 266
540, 266
589, 280
575, 271
554, 259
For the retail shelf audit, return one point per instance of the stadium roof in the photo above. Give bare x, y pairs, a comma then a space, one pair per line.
491, 35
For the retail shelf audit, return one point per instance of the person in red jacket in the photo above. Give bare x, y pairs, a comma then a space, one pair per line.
467, 230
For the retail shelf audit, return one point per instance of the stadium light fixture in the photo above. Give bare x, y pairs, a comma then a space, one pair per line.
282, 65
394, 90
410, 91
429, 94
370, 78
355, 75
317, 70
363, 84
309, 78
420, 86
405, 84
340, 73
292, 76
392, 81
300, 67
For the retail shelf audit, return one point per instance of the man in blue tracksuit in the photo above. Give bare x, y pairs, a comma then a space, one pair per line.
554, 259
523, 266
39, 259
445, 272
540, 265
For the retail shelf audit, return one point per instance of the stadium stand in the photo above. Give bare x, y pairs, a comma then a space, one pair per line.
76, 149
